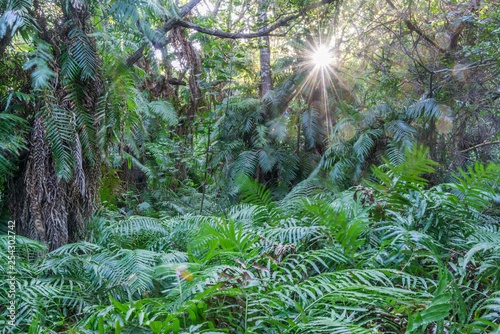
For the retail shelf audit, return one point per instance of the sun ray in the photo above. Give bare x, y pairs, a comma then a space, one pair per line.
319, 63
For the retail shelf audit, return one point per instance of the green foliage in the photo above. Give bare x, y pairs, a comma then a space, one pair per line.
41, 59
320, 209
475, 187
394, 181
10, 142
15, 17
363, 137
360, 261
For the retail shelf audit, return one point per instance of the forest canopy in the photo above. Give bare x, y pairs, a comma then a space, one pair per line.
239, 166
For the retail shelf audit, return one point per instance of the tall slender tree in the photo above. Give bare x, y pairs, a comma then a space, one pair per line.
265, 51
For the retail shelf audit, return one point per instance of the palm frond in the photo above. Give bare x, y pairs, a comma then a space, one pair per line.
16, 17
311, 123
60, 132
10, 142
426, 108
41, 60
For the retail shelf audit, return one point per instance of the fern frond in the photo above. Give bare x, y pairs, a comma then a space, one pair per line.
246, 163
475, 186
408, 174
136, 232
489, 311
267, 159
306, 188
292, 233
164, 110
332, 325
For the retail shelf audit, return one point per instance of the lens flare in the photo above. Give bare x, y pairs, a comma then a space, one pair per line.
321, 57
444, 125
184, 274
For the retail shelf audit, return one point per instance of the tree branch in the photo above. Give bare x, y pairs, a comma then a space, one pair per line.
166, 27
231, 35
216, 8
455, 35
419, 32
263, 31
479, 145
416, 29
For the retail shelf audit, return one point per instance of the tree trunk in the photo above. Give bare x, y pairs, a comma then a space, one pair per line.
265, 51
47, 206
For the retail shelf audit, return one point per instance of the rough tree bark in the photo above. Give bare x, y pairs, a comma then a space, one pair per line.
45, 206
265, 51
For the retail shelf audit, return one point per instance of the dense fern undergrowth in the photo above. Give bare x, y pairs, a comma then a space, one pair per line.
390, 256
